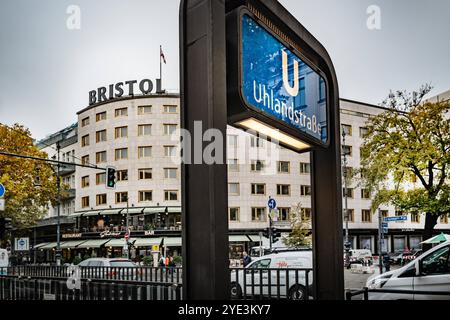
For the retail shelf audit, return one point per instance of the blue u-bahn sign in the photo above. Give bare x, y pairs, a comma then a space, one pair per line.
279, 84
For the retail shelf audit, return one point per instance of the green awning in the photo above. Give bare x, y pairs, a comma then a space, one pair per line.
172, 242
238, 239
112, 212
91, 213
72, 244
154, 210
118, 243
174, 209
50, 245
147, 242
40, 245
76, 214
92, 244
257, 238
133, 211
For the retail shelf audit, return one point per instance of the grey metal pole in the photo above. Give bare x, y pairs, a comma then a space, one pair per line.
380, 241
128, 228
58, 227
346, 201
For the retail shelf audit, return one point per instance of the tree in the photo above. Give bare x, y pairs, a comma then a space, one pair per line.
301, 229
406, 156
26, 200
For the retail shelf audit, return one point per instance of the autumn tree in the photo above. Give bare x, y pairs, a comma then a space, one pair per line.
406, 156
31, 185
301, 229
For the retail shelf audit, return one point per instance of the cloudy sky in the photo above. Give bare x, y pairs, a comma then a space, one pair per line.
47, 69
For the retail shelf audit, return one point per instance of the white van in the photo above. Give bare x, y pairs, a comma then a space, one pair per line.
429, 272
290, 283
4, 262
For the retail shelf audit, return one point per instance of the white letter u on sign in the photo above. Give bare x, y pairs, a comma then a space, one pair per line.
293, 91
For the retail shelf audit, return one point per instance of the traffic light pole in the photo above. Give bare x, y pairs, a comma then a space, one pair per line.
58, 219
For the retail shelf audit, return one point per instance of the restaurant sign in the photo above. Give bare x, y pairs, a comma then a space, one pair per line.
72, 236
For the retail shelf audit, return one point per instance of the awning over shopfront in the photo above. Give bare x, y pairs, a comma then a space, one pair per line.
172, 242
118, 243
238, 239
112, 212
40, 245
49, 246
133, 211
72, 244
257, 238
91, 213
154, 210
147, 242
92, 244
174, 210
77, 214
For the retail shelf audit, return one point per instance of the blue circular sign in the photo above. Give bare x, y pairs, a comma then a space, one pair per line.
21, 242
272, 204
2, 190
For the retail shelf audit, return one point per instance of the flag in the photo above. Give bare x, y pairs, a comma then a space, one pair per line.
163, 57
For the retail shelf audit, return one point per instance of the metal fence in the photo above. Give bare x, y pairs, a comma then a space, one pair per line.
349, 295
144, 283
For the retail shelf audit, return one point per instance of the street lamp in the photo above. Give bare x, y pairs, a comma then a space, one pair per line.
346, 200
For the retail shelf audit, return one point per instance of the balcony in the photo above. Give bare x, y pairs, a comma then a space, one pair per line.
66, 169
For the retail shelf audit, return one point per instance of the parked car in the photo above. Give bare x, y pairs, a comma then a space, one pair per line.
428, 272
107, 268
266, 275
359, 256
404, 257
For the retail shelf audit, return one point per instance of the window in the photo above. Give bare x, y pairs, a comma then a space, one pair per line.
121, 132
347, 150
122, 112
306, 214
170, 129
233, 189
258, 189
437, 262
85, 160
101, 199
366, 216
100, 136
85, 202
234, 214
233, 165
145, 196
144, 152
233, 141
351, 215
100, 178
121, 197
363, 132
284, 167
170, 173
170, 109
444, 219
100, 116
144, 110
283, 190
305, 168
121, 154
305, 191
347, 172
85, 182
100, 157
144, 130
365, 194
256, 142
145, 174
122, 175
170, 151
171, 195
347, 129
85, 122
399, 213
259, 214
284, 214
415, 217
384, 213
85, 141
322, 90
257, 165
348, 192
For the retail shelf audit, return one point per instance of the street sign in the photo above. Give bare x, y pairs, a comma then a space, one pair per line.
22, 244
2, 204
273, 214
276, 84
2, 190
385, 228
155, 248
396, 219
272, 204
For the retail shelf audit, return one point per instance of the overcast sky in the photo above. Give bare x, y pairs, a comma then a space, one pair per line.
47, 70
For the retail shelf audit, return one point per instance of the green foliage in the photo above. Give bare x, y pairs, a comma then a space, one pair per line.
301, 229
26, 202
406, 154
148, 261
178, 260
76, 261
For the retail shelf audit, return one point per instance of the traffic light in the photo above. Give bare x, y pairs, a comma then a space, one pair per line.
266, 233
110, 178
276, 235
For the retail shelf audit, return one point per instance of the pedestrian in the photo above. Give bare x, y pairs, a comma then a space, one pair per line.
172, 265
162, 262
386, 262
246, 259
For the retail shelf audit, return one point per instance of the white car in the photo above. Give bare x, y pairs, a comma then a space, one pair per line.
274, 275
104, 268
429, 272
